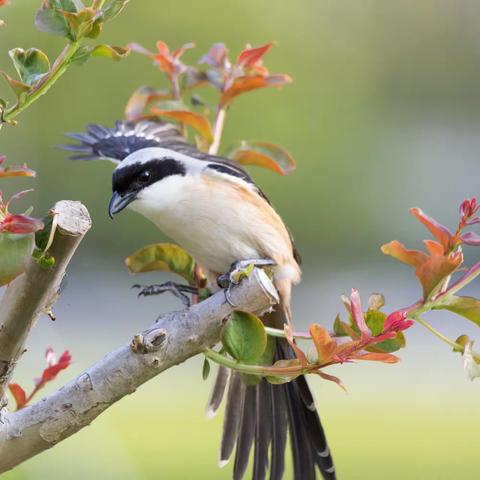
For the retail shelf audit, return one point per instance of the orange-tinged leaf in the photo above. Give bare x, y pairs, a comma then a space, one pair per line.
16, 171
247, 83
162, 256
162, 48
398, 251
263, 154
433, 247
441, 233
298, 351
324, 343
140, 99
254, 157
198, 122
378, 357
434, 270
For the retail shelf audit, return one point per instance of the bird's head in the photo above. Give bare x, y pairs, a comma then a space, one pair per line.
148, 179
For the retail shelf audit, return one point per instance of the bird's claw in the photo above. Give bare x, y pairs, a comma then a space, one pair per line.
179, 290
238, 271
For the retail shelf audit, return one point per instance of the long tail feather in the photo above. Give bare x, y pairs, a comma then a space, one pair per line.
246, 434
233, 414
218, 391
261, 415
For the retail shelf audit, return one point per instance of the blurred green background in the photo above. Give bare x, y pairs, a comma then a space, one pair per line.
383, 115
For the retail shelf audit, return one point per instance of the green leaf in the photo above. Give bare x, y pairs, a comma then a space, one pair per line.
206, 368
390, 345
375, 320
461, 340
66, 5
31, 65
265, 359
15, 250
51, 21
244, 337
162, 256
81, 55
468, 307
109, 51
113, 8
339, 327
42, 236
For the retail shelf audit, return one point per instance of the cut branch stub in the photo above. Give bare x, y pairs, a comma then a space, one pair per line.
36, 290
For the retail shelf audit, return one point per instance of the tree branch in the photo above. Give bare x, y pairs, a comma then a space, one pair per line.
36, 290
174, 338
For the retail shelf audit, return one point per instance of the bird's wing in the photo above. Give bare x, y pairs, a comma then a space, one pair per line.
114, 144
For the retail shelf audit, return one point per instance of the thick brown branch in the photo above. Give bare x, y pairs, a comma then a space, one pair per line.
36, 290
174, 338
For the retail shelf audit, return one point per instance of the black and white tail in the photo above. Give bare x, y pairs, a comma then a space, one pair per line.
261, 415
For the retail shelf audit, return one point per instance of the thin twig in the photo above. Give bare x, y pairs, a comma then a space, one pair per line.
217, 130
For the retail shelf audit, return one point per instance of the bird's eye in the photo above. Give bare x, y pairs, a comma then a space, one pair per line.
144, 176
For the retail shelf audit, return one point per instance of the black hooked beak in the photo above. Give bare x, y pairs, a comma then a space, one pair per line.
119, 202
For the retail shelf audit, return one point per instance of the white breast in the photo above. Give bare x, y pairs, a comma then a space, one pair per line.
216, 221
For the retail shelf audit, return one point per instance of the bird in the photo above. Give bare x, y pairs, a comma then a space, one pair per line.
211, 207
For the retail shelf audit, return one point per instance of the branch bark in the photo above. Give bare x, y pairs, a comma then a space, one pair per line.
174, 338
36, 290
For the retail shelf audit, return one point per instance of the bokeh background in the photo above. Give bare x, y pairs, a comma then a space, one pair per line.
383, 115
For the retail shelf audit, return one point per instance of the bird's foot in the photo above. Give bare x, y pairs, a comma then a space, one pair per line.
177, 289
238, 271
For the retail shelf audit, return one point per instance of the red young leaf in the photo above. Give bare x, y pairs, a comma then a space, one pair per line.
18, 394
250, 56
468, 208
397, 321
20, 224
55, 367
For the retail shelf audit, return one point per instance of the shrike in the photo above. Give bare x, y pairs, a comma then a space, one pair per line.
212, 208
